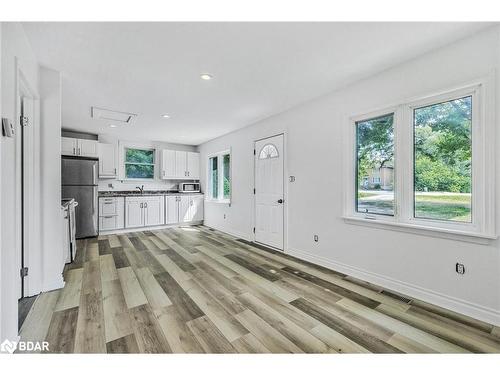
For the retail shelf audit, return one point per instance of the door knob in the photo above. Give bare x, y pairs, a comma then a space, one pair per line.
280, 201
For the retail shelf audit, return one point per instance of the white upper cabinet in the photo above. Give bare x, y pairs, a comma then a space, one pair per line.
79, 147
193, 165
68, 146
168, 170
180, 165
108, 165
88, 148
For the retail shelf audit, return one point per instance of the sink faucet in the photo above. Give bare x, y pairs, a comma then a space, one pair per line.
141, 188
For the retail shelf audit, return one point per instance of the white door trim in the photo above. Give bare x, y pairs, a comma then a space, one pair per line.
32, 257
285, 190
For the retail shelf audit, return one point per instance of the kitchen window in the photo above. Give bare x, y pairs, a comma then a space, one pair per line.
139, 163
425, 165
219, 177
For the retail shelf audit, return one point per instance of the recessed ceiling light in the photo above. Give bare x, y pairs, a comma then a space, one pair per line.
206, 76
165, 116
112, 126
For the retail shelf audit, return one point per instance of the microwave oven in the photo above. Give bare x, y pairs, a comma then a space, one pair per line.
189, 187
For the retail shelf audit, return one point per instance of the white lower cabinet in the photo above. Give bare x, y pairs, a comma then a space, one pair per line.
134, 213
144, 211
111, 213
148, 211
184, 208
154, 211
196, 207
184, 212
172, 209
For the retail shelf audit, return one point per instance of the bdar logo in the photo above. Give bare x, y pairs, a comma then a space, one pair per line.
8, 346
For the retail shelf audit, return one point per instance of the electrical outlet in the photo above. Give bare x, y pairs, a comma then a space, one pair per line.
224, 216
460, 268
316, 238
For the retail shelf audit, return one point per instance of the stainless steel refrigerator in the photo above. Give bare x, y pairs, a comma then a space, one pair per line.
79, 181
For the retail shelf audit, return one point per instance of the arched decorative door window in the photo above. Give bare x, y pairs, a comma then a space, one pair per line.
268, 151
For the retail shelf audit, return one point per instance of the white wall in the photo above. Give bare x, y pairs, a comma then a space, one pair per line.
50, 184
16, 52
157, 183
45, 263
420, 266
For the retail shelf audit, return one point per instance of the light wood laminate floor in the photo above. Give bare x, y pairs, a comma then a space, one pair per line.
196, 290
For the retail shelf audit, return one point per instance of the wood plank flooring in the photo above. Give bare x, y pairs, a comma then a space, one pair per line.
196, 290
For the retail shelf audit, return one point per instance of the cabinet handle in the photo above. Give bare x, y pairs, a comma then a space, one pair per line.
108, 217
141, 205
115, 171
74, 151
109, 202
146, 205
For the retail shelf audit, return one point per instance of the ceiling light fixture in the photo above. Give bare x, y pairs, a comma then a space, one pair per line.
112, 126
165, 116
206, 76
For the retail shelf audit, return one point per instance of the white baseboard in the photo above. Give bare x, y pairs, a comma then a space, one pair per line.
230, 232
57, 283
451, 303
140, 229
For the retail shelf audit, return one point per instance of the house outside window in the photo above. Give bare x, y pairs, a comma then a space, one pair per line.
139, 163
219, 177
424, 165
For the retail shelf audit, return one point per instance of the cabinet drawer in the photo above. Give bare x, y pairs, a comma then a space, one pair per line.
109, 223
108, 206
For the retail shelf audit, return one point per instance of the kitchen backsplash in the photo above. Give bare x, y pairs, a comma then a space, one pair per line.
129, 185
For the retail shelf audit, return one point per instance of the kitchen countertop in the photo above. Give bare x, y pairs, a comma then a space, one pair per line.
136, 193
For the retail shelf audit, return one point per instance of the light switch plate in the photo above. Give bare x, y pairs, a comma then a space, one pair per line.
7, 128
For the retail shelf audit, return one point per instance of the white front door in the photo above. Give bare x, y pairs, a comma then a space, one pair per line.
269, 197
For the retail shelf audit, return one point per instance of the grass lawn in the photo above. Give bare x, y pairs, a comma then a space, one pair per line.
438, 206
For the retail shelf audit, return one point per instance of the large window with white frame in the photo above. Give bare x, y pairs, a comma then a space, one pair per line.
219, 177
425, 164
139, 163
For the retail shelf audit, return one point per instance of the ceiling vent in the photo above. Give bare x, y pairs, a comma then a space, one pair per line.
110, 115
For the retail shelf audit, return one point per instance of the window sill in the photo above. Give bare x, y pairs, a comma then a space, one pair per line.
220, 201
423, 230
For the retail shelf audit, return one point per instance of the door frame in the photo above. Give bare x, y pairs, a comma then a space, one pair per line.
28, 191
285, 192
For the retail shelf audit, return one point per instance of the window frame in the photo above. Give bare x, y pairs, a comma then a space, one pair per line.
368, 117
220, 176
482, 227
123, 147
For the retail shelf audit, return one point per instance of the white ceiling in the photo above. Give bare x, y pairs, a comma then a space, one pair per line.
259, 69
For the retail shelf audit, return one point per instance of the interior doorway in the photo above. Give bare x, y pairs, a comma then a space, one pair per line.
269, 191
